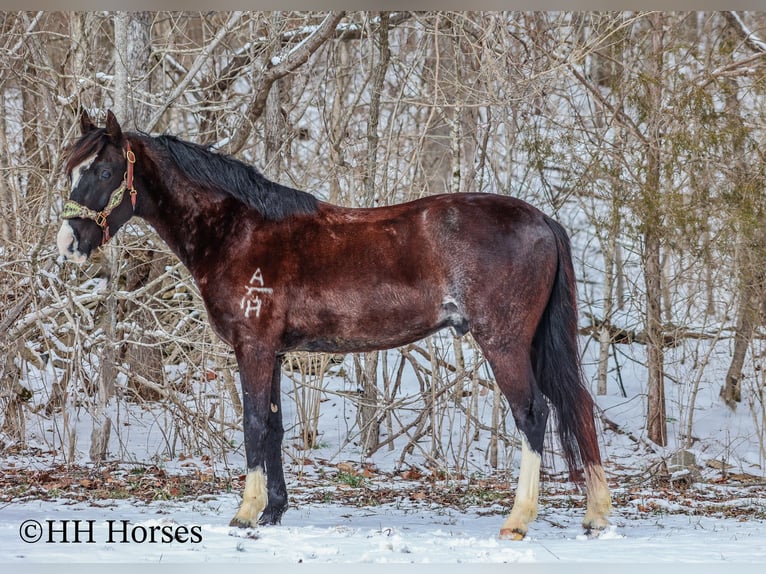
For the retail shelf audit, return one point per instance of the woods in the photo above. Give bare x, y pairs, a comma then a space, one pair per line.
640, 132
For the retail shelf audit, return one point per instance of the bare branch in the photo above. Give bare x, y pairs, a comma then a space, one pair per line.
738, 67
198, 63
280, 67
753, 42
622, 116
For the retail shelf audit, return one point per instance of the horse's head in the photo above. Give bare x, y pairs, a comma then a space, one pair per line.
100, 169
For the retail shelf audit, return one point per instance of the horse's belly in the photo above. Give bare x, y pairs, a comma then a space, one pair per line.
376, 327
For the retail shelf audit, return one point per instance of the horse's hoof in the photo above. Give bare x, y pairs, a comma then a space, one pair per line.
511, 534
270, 518
239, 523
595, 525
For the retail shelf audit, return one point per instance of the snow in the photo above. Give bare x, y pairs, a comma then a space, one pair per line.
322, 533
710, 523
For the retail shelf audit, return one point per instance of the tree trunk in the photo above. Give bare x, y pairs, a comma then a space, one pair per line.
132, 39
368, 411
746, 264
274, 121
609, 247
435, 157
656, 417
731, 391
749, 261
7, 197
131, 57
340, 114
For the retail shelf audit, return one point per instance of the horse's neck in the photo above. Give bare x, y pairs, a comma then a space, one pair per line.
187, 222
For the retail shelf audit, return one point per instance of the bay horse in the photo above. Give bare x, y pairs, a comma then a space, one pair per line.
279, 270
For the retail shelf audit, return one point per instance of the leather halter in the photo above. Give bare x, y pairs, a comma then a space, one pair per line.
72, 209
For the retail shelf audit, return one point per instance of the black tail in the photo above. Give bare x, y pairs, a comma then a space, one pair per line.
557, 364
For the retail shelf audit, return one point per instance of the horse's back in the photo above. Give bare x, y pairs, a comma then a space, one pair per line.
489, 234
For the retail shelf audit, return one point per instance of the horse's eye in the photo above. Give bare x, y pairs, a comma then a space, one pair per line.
106, 174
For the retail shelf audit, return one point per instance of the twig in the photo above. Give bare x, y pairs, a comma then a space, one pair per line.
279, 68
194, 70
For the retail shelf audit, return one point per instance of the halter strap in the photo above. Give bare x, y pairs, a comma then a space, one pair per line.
72, 209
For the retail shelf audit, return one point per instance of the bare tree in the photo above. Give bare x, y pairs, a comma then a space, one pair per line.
652, 236
638, 131
751, 240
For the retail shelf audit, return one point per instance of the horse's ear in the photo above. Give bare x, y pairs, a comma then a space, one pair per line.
113, 129
86, 125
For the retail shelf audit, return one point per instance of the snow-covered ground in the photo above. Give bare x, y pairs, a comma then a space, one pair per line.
709, 523
327, 532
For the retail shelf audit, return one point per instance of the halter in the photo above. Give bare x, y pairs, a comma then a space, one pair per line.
72, 209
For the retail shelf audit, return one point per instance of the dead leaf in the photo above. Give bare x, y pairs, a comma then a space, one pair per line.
413, 473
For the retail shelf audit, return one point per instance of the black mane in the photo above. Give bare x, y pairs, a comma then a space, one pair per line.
230, 176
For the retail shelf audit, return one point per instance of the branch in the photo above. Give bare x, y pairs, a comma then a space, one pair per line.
242, 58
737, 68
279, 68
616, 112
198, 63
30, 28
753, 42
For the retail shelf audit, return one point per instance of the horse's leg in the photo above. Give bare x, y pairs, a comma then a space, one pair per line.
255, 371
524, 508
599, 499
275, 475
513, 372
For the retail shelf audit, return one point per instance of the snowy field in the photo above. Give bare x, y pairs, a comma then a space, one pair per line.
714, 521
322, 533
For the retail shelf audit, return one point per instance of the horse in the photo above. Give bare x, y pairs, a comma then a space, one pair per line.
280, 270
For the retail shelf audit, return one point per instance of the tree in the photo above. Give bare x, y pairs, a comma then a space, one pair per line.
652, 222
640, 132
747, 193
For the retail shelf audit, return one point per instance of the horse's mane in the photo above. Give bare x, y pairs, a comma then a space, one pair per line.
228, 175
215, 171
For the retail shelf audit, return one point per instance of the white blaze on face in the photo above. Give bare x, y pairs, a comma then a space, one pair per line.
66, 240
79, 169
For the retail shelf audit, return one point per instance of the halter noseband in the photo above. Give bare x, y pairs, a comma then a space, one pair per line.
72, 209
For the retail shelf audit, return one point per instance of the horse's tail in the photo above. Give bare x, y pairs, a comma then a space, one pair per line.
557, 364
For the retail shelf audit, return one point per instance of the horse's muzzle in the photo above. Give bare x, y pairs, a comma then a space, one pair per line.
68, 244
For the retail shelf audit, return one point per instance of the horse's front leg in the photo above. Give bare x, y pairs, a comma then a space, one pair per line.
275, 476
255, 371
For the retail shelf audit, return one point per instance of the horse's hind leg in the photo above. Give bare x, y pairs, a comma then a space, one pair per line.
599, 500
513, 372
